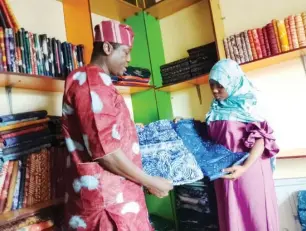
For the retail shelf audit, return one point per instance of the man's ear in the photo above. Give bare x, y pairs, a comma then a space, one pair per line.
107, 48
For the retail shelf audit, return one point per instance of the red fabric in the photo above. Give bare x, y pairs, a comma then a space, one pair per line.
255, 56
262, 42
267, 45
36, 128
96, 122
257, 43
113, 31
272, 39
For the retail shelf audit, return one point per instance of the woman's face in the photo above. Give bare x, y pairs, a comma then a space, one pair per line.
218, 90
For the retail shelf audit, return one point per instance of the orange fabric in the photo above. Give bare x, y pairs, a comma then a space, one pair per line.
23, 124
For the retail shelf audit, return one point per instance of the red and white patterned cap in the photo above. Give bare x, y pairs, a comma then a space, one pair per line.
115, 32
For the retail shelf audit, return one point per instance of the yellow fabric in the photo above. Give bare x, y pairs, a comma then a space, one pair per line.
11, 190
283, 37
23, 124
274, 22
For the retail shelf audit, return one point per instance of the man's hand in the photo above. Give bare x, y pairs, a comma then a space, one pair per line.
159, 187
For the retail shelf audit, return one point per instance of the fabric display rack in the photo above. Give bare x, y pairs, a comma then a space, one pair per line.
276, 37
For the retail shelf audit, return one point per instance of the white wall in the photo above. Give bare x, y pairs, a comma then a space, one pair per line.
41, 16
246, 14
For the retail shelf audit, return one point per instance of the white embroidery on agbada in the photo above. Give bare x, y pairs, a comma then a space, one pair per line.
68, 161
135, 148
73, 145
115, 133
106, 79
81, 77
131, 207
119, 198
96, 102
67, 109
77, 222
86, 142
87, 181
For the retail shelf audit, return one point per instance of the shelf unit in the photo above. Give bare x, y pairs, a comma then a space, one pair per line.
292, 154
17, 215
50, 84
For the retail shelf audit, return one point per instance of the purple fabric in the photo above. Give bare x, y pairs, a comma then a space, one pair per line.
248, 203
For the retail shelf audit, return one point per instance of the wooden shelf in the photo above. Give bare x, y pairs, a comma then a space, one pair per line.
203, 79
292, 154
265, 62
168, 7
43, 83
126, 9
13, 216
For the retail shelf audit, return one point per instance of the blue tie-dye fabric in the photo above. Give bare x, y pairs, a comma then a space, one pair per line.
302, 209
211, 157
164, 154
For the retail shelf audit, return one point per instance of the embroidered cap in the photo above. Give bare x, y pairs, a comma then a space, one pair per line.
115, 32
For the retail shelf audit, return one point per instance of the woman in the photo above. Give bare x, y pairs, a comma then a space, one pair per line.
246, 195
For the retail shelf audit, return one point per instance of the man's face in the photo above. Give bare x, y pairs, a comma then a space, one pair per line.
118, 59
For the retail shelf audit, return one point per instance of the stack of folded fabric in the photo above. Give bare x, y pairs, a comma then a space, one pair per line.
134, 76
26, 160
202, 59
176, 71
196, 206
276, 37
164, 154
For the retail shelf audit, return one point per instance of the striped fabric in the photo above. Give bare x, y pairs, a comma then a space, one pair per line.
113, 31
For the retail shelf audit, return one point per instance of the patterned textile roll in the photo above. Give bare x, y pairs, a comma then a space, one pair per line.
3, 174
274, 23
231, 49
18, 53
235, 49
244, 48
7, 181
288, 33
12, 47
295, 40
11, 190
267, 45
33, 54
262, 42
240, 48
254, 53
300, 30
257, 44
272, 39
248, 45
12, 16
304, 20
226, 48
22, 50
28, 53
2, 44
6, 13
7, 49
17, 188
283, 35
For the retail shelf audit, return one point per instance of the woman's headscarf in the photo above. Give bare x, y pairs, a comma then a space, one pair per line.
242, 100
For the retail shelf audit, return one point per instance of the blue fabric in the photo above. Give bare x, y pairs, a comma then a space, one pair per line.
302, 209
13, 141
212, 158
23, 116
164, 154
241, 102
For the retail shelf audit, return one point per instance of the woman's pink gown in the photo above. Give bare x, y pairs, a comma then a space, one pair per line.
248, 203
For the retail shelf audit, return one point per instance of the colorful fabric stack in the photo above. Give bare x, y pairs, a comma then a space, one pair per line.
25, 52
276, 37
28, 163
134, 76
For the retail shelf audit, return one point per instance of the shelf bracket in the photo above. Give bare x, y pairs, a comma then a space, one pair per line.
8, 91
198, 87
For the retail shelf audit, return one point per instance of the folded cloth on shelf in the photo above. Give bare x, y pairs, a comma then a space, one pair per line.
132, 84
23, 116
133, 79
164, 154
8, 128
212, 158
139, 72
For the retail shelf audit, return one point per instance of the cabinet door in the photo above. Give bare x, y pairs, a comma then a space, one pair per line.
286, 191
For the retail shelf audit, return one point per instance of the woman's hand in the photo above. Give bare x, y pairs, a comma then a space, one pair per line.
234, 172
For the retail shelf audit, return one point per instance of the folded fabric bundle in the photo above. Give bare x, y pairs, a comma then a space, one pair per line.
212, 158
134, 79
164, 154
23, 116
137, 71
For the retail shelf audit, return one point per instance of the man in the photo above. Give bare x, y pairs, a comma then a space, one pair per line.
104, 190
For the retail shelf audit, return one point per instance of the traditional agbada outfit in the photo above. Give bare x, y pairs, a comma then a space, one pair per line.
248, 203
96, 122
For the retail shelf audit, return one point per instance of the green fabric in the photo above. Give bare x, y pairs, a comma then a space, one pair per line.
242, 100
